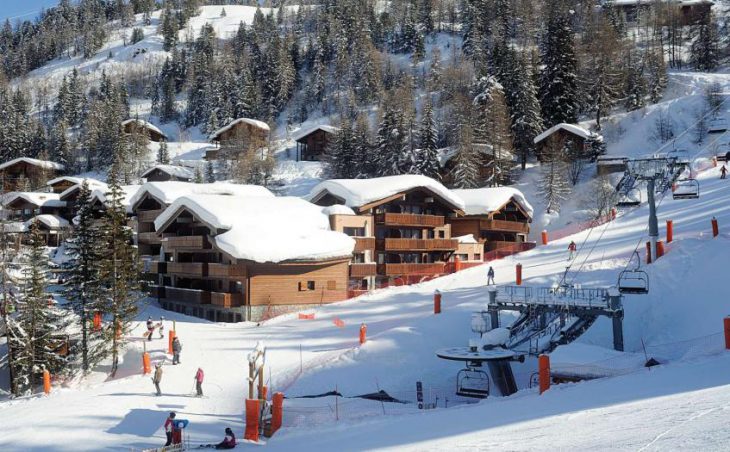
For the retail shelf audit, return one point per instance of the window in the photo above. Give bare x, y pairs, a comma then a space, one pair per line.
354, 232
442, 234
306, 286
477, 257
331, 285
358, 258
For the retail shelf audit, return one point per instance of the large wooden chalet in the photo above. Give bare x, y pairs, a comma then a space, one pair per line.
240, 136
27, 174
571, 138
312, 143
232, 258
163, 173
402, 226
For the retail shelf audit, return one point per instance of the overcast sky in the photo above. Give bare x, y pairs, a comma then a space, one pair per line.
23, 9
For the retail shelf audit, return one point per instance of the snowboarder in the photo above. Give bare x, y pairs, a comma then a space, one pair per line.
199, 375
490, 276
571, 250
168, 427
176, 349
150, 328
157, 378
723, 172
161, 327
229, 442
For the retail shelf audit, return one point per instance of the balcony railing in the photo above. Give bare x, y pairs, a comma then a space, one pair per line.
188, 268
187, 295
411, 269
147, 216
191, 241
417, 244
225, 271
364, 243
409, 219
148, 237
227, 300
503, 225
363, 270
157, 291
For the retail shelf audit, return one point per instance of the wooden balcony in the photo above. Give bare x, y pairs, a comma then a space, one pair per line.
157, 291
411, 269
148, 238
225, 271
364, 243
198, 269
503, 225
417, 244
157, 267
187, 295
226, 300
191, 241
363, 270
148, 216
492, 245
408, 219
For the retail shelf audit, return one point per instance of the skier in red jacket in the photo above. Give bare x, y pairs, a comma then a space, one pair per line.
199, 375
169, 427
571, 250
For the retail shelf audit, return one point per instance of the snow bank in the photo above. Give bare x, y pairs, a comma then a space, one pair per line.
483, 201
265, 229
172, 170
45, 164
359, 192
168, 192
226, 26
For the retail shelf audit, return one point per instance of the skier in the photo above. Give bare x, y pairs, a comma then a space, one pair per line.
157, 378
571, 250
199, 375
229, 442
161, 327
150, 328
723, 172
490, 276
168, 428
176, 349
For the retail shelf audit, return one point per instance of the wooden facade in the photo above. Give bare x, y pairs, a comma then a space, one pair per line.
139, 126
61, 184
582, 145
312, 145
239, 137
27, 174
160, 175
669, 12
23, 209
501, 228
362, 269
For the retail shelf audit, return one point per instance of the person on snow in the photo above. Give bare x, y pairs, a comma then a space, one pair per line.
490, 276
571, 250
176, 349
199, 375
169, 425
150, 328
157, 378
229, 442
161, 327
723, 172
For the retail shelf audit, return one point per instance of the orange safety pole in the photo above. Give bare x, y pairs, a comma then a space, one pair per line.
726, 323
543, 362
648, 252
659, 249
457, 264
715, 227
277, 411
46, 382
170, 338
670, 231
437, 302
264, 390
544, 237
252, 420
518, 274
97, 321
363, 333
146, 367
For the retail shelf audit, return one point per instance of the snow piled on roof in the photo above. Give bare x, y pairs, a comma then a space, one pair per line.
172, 170
92, 183
99, 194
145, 124
72, 179
572, 128
36, 198
483, 201
51, 221
265, 229
301, 133
167, 192
337, 209
359, 192
45, 164
254, 122
469, 238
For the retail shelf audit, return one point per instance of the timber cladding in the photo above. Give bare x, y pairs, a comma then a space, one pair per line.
288, 284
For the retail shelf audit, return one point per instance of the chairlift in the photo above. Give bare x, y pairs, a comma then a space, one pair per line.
630, 199
472, 382
686, 189
635, 281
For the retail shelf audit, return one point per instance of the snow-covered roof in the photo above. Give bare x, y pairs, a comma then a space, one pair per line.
72, 179
45, 164
571, 128
99, 194
265, 229
36, 198
254, 122
172, 170
92, 183
167, 192
469, 238
446, 154
51, 221
145, 124
483, 201
359, 192
13, 227
337, 209
301, 133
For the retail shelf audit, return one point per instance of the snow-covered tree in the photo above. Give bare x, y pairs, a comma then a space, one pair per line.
553, 185
391, 141
559, 77
163, 154
467, 161
428, 162
705, 54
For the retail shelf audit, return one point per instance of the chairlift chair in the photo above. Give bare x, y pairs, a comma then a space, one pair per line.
472, 382
634, 281
630, 198
686, 189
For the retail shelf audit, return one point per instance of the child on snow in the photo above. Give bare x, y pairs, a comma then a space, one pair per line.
161, 327
150, 328
490, 276
229, 442
199, 375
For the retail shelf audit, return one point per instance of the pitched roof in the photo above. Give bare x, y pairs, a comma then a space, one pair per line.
145, 124
483, 201
301, 133
264, 229
72, 179
571, 128
39, 199
254, 122
92, 183
99, 194
167, 192
45, 164
50, 221
356, 193
172, 170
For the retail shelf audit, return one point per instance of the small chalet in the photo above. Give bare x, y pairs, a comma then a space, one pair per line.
610, 164
52, 227
312, 143
448, 162
496, 217
402, 234
99, 197
233, 258
133, 125
680, 12
71, 195
240, 136
27, 174
60, 184
572, 138
163, 173
23, 206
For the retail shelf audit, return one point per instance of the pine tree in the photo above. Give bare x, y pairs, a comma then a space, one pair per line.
553, 186
635, 83
705, 54
656, 70
428, 138
209, 172
198, 175
524, 110
340, 154
364, 154
391, 142
163, 154
169, 29
465, 173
